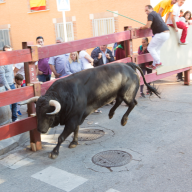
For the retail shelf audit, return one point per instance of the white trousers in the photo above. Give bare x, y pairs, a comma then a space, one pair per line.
156, 44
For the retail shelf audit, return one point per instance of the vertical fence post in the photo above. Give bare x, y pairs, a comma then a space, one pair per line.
128, 44
31, 79
187, 77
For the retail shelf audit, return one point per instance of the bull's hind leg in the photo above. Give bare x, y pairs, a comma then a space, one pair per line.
69, 128
117, 103
125, 116
74, 143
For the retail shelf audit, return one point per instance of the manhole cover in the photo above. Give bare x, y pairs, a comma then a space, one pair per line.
113, 158
90, 134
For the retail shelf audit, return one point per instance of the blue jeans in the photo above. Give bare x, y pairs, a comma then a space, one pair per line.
44, 78
13, 106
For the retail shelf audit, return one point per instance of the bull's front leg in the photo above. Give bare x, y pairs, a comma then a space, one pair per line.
74, 143
67, 131
55, 151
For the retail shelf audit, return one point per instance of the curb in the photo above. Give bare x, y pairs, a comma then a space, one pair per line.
13, 142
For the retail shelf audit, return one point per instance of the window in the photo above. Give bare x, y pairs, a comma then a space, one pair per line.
2, 1
69, 28
103, 26
4, 38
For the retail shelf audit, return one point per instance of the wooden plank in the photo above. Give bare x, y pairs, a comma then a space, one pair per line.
138, 59
139, 33
30, 72
153, 76
16, 95
187, 77
17, 128
13, 57
68, 47
34, 52
128, 44
126, 60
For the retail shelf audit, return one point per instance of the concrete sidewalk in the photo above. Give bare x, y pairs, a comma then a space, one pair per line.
157, 136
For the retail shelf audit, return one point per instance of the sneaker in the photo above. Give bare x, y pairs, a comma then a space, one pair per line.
17, 120
152, 67
142, 95
180, 43
98, 111
179, 80
148, 66
19, 113
158, 65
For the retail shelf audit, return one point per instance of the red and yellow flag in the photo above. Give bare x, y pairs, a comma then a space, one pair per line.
37, 5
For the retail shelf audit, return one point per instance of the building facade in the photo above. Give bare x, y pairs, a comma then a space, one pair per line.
87, 18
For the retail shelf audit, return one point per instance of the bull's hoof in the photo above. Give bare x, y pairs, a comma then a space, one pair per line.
53, 155
124, 121
73, 144
111, 115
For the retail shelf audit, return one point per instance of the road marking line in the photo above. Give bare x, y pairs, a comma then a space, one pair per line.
112, 190
2, 181
15, 161
59, 178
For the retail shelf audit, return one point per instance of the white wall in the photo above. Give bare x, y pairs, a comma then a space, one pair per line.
175, 56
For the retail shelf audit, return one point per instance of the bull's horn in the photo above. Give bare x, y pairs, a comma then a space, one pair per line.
57, 106
31, 100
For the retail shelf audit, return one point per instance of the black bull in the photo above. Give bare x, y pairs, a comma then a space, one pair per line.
70, 100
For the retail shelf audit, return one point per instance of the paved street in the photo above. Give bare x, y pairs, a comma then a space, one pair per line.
157, 137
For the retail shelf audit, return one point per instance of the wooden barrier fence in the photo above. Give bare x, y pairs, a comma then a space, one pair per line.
32, 53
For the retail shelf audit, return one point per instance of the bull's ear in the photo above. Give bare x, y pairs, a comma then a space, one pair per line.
57, 106
31, 100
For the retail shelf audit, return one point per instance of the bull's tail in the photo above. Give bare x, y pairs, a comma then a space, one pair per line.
150, 88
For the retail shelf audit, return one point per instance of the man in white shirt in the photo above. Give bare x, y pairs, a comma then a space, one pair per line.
173, 21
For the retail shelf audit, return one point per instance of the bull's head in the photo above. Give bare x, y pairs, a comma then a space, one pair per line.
46, 114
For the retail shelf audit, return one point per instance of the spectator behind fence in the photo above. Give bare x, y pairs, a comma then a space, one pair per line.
58, 63
114, 50
161, 34
7, 79
19, 69
185, 19
164, 7
120, 51
74, 64
143, 50
86, 59
18, 84
174, 22
102, 55
43, 69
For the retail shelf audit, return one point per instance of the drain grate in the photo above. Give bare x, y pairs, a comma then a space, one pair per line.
90, 134
112, 158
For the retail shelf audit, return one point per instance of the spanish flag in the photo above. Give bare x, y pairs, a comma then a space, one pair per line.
37, 5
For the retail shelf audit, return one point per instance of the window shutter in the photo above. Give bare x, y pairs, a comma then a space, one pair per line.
4, 38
